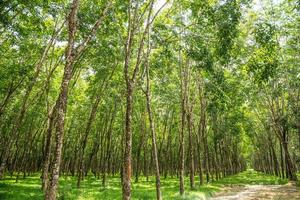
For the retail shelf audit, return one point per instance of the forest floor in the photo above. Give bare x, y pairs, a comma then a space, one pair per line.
259, 192
252, 185
245, 184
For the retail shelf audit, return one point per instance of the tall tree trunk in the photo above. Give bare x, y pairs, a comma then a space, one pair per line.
72, 54
206, 158
282, 161
182, 130
152, 129
62, 102
204, 135
291, 171
127, 138
274, 157
108, 145
130, 79
85, 138
51, 113
199, 135
168, 151
191, 146
47, 150
140, 146
128, 146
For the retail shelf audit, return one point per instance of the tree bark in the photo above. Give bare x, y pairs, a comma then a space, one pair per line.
140, 146
152, 129
182, 130
130, 79
191, 144
62, 102
47, 150
128, 146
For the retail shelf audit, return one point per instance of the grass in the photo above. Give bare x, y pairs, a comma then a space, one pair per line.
29, 188
298, 182
251, 177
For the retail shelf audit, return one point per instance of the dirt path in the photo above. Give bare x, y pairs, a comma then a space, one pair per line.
258, 192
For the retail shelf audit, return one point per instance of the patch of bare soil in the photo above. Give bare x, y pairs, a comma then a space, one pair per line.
259, 192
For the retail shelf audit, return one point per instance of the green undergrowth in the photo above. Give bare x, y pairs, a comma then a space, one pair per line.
298, 182
29, 188
251, 177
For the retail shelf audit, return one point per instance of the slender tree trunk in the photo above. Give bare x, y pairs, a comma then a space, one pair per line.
85, 139
191, 147
206, 158
140, 146
152, 129
51, 121
126, 183
72, 54
204, 137
130, 79
182, 131
47, 150
127, 138
275, 161
282, 161
168, 154
290, 166
217, 163
108, 145
62, 102
200, 131
145, 163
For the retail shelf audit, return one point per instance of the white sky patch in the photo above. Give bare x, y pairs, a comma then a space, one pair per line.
61, 43
258, 5
159, 3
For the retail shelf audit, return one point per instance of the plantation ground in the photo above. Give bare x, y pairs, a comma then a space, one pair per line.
255, 192
29, 188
